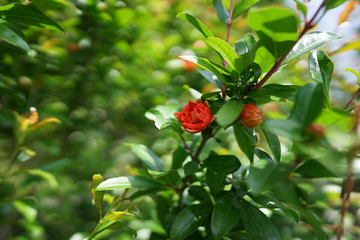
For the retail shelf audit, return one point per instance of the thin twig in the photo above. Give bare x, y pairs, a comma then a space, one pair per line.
352, 99
308, 25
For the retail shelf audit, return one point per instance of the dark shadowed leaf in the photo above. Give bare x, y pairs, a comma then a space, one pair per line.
188, 221
172, 176
179, 156
274, 93
215, 181
244, 140
222, 164
314, 169
225, 214
199, 193
191, 167
256, 223
274, 144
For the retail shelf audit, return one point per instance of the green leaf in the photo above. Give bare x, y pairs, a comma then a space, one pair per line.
191, 167
266, 200
309, 42
49, 177
321, 69
242, 6
215, 181
224, 49
179, 156
308, 104
216, 69
172, 176
256, 223
110, 225
265, 59
221, 11
40, 4
11, 37
29, 212
97, 195
211, 77
244, 140
222, 164
239, 185
199, 193
135, 212
245, 44
245, 61
276, 28
262, 155
28, 16
225, 215
189, 220
265, 174
314, 169
140, 182
337, 119
163, 115
274, 144
196, 23
114, 215
330, 4
302, 7
313, 222
229, 113
285, 128
147, 156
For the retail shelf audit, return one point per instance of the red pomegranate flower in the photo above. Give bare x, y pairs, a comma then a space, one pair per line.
195, 116
251, 116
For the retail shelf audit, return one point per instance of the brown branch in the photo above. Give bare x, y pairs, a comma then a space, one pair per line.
352, 99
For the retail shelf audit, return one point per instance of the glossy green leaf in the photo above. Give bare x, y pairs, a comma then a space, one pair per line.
28, 16
229, 113
244, 140
163, 115
191, 167
222, 164
148, 157
200, 194
274, 144
256, 223
216, 69
276, 28
140, 182
221, 11
189, 220
97, 195
242, 6
224, 49
179, 156
265, 174
309, 42
11, 37
196, 23
321, 69
245, 44
245, 61
265, 59
215, 181
225, 215
266, 200
135, 212
308, 104
171, 176
314, 169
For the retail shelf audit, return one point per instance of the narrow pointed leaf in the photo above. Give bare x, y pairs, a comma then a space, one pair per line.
221, 11
244, 140
97, 195
225, 214
11, 37
242, 6
140, 182
189, 220
274, 144
211, 77
114, 215
196, 23
224, 49
256, 223
28, 16
40, 4
321, 69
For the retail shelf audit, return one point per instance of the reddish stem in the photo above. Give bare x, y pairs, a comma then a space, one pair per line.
352, 99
